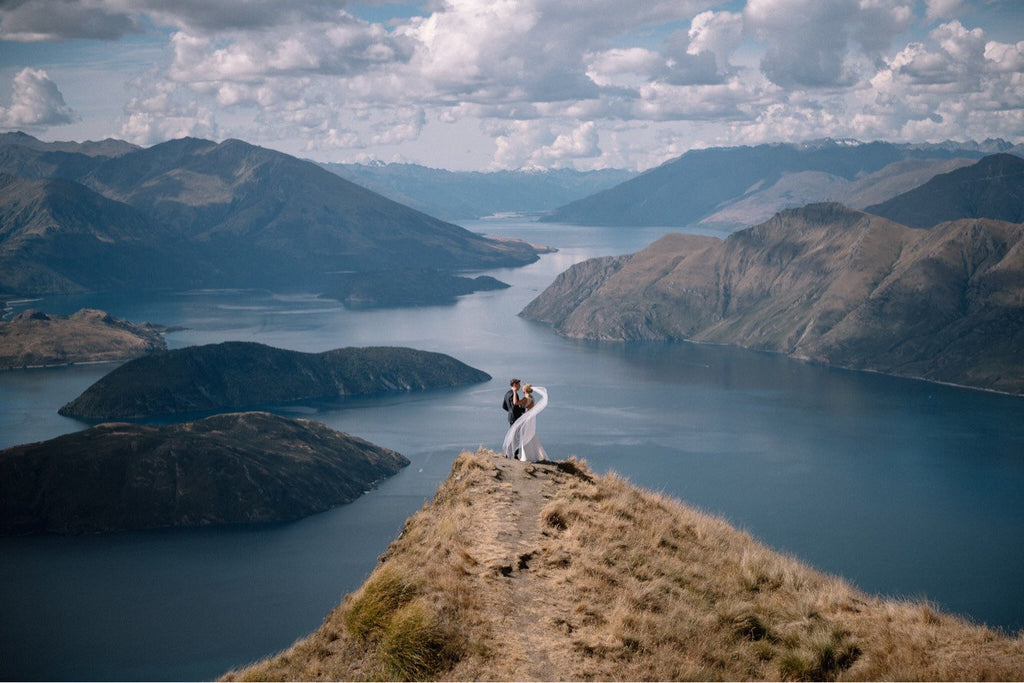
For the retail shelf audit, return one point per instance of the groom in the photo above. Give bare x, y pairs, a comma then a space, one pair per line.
512, 403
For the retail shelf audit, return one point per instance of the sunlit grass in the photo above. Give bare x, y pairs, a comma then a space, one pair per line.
517, 572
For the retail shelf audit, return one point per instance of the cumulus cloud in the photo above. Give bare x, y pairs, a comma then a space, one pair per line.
815, 44
956, 84
716, 33
48, 20
35, 101
163, 111
38, 20
546, 82
942, 9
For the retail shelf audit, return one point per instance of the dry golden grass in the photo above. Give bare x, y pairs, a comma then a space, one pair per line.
546, 572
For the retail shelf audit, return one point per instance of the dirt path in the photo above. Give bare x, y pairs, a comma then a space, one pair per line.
531, 604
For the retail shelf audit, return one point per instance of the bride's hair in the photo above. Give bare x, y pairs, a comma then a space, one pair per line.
528, 388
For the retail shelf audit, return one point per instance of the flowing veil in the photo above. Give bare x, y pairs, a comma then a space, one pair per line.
521, 440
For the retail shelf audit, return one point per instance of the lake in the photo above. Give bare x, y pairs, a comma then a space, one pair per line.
906, 488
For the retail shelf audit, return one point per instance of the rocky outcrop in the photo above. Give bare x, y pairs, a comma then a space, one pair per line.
239, 375
33, 338
226, 469
827, 284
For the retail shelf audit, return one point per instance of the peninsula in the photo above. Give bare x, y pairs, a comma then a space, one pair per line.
225, 469
547, 571
823, 283
33, 338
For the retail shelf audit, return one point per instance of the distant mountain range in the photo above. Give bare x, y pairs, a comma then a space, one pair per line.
225, 469
831, 284
733, 187
190, 213
462, 195
246, 375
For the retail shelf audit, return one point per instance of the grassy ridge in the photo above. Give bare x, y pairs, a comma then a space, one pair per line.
547, 572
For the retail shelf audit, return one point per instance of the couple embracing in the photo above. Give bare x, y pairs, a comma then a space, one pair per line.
521, 441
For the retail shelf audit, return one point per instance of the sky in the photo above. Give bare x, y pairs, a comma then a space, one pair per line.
512, 84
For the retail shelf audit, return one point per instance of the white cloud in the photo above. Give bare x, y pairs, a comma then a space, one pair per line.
815, 44
717, 33
535, 82
163, 111
48, 20
36, 101
942, 9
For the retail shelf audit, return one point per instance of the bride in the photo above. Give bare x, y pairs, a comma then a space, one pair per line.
521, 440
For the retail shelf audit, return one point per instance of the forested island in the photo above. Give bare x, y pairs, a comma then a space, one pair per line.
225, 469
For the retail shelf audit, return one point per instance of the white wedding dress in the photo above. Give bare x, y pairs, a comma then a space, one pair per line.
521, 442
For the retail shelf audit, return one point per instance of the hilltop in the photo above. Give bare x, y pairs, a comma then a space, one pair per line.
548, 572
225, 469
34, 338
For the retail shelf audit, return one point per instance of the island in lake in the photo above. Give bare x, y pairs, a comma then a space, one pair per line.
408, 287
225, 469
239, 375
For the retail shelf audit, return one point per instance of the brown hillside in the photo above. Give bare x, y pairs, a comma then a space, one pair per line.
546, 572
823, 283
34, 338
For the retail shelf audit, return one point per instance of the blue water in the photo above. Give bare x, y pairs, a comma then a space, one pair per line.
907, 489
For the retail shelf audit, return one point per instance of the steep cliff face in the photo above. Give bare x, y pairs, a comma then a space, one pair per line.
546, 571
572, 287
249, 467
823, 283
237, 375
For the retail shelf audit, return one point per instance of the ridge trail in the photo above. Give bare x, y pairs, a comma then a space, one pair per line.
511, 553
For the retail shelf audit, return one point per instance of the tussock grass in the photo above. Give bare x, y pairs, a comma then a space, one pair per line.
527, 572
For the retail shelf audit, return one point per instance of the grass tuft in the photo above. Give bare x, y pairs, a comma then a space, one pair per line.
370, 610
415, 645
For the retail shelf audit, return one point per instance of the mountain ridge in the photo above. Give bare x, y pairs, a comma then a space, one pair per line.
702, 182
221, 214
547, 571
991, 188
822, 283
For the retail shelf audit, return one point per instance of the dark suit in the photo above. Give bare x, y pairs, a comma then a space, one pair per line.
514, 411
